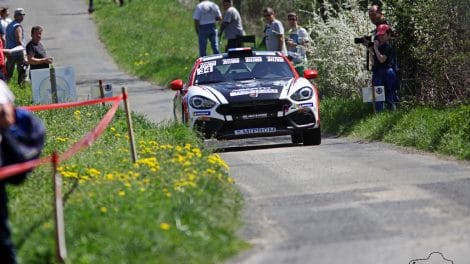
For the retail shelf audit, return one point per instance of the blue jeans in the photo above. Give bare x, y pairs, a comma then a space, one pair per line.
208, 31
388, 78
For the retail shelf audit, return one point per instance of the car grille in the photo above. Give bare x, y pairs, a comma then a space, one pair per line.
253, 107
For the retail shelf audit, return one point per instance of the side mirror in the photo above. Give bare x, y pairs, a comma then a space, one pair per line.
176, 85
310, 74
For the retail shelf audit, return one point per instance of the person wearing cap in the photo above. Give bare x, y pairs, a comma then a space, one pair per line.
22, 137
231, 26
205, 16
383, 70
14, 38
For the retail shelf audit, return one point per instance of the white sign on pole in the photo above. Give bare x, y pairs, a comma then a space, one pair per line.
379, 94
107, 89
65, 82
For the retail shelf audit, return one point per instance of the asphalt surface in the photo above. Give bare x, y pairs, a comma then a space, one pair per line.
344, 201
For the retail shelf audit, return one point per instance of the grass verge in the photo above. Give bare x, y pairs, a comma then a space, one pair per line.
177, 204
445, 131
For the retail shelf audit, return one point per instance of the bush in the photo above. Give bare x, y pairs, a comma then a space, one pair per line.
340, 62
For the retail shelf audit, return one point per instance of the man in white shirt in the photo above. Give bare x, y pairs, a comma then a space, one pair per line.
5, 20
205, 16
274, 32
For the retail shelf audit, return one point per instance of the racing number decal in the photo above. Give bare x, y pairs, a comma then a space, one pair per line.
206, 67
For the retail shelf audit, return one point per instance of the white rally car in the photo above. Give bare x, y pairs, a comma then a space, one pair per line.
245, 93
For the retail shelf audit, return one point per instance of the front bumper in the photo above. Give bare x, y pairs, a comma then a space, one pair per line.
257, 124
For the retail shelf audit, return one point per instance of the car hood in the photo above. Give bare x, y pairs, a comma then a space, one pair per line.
242, 91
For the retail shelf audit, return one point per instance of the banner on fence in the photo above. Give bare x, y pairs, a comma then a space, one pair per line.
65, 82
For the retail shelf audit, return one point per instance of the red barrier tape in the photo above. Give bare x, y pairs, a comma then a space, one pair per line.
71, 104
10, 170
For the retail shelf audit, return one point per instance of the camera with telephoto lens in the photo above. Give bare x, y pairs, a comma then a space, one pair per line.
363, 39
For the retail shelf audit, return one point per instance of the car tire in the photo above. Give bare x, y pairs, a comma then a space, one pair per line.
296, 138
312, 137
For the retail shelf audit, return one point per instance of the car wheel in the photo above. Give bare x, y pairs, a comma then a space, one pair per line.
296, 137
312, 137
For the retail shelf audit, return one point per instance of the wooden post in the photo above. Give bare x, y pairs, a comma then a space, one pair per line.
53, 85
373, 99
130, 129
61, 248
101, 91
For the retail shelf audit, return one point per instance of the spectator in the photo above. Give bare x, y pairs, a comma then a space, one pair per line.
35, 51
383, 72
296, 42
21, 139
231, 26
205, 16
5, 20
376, 15
274, 32
15, 37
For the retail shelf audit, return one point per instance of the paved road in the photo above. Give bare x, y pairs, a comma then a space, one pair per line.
341, 202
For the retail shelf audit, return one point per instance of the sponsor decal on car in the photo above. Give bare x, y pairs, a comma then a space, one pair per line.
253, 59
253, 92
231, 61
298, 106
275, 59
258, 130
201, 113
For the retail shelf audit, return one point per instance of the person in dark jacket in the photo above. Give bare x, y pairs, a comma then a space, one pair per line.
21, 139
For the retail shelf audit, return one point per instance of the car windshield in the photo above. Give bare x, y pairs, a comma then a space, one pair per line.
245, 68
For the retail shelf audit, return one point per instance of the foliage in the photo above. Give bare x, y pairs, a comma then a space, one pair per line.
176, 204
433, 45
339, 114
340, 62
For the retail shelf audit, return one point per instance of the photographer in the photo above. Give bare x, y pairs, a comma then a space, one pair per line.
383, 69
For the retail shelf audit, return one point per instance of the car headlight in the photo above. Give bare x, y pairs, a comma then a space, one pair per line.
304, 93
201, 102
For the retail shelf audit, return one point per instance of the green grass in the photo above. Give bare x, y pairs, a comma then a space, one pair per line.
152, 39
445, 131
176, 205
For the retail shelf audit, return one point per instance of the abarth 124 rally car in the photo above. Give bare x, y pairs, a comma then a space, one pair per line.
246, 93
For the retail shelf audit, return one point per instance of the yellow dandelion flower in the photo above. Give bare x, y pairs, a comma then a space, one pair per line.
104, 210
122, 193
164, 226
109, 177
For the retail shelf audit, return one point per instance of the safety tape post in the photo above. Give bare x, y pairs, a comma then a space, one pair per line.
130, 129
100, 83
58, 211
